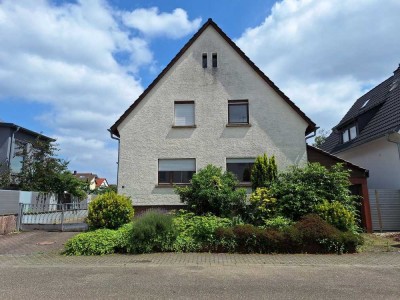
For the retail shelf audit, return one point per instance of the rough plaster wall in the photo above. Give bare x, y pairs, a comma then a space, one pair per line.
382, 160
147, 134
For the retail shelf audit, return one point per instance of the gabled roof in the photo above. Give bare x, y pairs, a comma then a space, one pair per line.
27, 131
375, 118
210, 22
99, 181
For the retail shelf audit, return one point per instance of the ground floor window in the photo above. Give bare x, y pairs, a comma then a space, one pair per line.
176, 171
241, 167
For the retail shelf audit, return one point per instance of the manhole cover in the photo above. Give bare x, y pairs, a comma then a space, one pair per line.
45, 243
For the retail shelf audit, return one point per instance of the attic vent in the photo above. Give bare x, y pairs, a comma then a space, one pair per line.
394, 84
365, 103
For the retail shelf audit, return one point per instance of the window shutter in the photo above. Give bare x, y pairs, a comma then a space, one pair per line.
177, 165
239, 160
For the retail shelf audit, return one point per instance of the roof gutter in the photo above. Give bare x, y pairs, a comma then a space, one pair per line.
314, 134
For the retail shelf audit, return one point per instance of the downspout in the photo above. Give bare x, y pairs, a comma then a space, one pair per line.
115, 138
11, 147
313, 135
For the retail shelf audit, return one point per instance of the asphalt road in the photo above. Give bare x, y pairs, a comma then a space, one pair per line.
199, 282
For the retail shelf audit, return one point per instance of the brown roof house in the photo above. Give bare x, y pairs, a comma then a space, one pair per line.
89, 178
210, 105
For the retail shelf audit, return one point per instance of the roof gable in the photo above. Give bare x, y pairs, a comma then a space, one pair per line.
210, 22
375, 118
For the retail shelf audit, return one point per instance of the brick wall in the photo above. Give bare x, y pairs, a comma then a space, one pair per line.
8, 224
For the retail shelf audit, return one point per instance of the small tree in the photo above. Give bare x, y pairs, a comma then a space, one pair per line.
44, 172
212, 191
321, 137
264, 172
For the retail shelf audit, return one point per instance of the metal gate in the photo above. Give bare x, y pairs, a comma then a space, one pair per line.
60, 217
385, 209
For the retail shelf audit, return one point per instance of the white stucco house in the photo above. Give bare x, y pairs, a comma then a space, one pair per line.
210, 105
369, 134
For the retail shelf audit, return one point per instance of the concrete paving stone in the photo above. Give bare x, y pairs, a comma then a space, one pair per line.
44, 248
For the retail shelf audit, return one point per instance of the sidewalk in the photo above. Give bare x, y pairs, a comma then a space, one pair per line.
43, 248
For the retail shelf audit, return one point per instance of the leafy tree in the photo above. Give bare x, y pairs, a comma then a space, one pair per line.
212, 191
264, 172
44, 172
320, 139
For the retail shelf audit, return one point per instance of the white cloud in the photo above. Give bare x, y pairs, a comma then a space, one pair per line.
77, 59
153, 23
323, 53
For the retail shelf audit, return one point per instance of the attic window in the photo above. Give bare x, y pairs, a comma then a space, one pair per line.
214, 60
365, 103
349, 134
204, 61
394, 84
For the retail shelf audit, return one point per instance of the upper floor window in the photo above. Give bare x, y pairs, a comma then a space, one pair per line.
349, 134
18, 155
204, 60
214, 60
238, 112
176, 171
241, 167
184, 113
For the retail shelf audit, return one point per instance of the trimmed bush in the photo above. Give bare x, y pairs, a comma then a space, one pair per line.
197, 233
109, 210
246, 238
98, 242
152, 232
212, 191
337, 215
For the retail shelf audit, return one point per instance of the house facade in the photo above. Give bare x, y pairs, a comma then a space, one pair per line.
369, 134
14, 142
210, 105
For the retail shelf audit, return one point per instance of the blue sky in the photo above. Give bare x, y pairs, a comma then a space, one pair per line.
70, 68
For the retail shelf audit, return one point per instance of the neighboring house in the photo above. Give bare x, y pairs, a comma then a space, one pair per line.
101, 183
369, 134
88, 178
14, 143
210, 105
92, 180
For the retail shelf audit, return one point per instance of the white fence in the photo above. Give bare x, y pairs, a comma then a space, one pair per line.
10, 200
385, 209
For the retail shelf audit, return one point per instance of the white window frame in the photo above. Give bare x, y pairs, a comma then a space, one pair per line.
179, 123
175, 165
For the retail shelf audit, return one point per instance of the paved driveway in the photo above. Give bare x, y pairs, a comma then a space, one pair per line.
33, 242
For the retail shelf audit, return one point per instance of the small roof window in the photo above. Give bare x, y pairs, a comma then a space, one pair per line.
394, 84
365, 103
